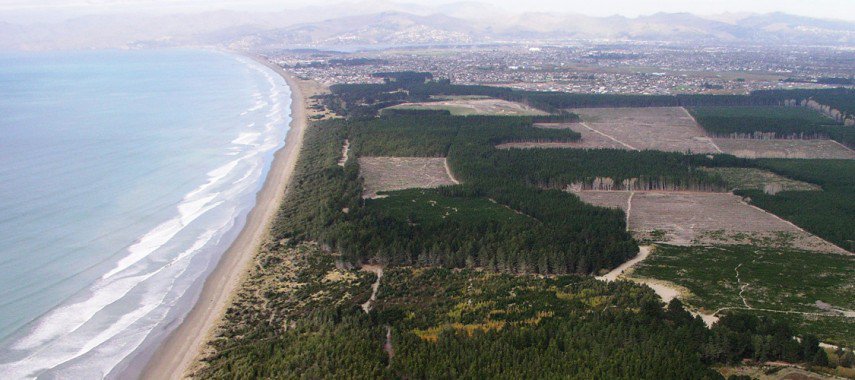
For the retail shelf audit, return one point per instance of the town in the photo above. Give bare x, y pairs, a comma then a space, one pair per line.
608, 68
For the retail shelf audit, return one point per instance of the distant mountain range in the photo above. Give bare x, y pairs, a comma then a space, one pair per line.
385, 23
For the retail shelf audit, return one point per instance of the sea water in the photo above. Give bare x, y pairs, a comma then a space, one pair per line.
124, 176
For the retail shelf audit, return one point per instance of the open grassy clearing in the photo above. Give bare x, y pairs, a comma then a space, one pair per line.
758, 179
428, 206
458, 97
686, 218
465, 106
814, 290
757, 148
669, 129
398, 173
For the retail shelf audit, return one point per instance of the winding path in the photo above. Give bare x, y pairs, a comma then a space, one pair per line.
448, 171
741, 288
366, 307
388, 345
344, 149
613, 275
377, 270
629, 210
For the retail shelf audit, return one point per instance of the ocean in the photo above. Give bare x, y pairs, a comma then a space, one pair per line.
124, 176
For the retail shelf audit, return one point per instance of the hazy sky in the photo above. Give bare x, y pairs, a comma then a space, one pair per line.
835, 9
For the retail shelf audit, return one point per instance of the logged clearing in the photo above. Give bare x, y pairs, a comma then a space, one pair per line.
756, 148
398, 173
589, 139
758, 179
687, 218
468, 106
669, 129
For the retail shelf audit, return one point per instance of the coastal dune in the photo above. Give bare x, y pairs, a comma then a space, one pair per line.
177, 353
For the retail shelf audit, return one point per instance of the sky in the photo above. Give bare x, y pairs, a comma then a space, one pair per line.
831, 9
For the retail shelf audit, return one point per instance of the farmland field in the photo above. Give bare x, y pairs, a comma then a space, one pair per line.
812, 289
398, 173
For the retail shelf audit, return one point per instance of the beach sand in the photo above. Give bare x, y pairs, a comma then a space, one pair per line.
181, 348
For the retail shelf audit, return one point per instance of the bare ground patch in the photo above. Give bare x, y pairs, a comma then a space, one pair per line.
652, 128
470, 106
755, 148
398, 173
688, 218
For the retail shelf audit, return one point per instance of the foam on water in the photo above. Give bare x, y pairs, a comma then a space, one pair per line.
141, 291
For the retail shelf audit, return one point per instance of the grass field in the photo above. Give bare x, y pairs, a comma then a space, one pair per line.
464, 106
428, 206
813, 290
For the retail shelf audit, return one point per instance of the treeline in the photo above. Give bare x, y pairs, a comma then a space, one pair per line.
320, 188
404, 77
573, 237
468, 142
830, 213
438, 323
840, 99
606, 169
569, 236
366, 100
763, 128
771, 123
430, 133
470, 325
300, 316
744, 336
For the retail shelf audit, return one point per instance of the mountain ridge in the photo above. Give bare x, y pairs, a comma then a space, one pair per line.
392, 25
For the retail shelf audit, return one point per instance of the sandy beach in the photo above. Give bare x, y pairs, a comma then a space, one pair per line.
178, 352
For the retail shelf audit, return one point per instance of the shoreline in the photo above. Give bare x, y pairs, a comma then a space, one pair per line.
179, 350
